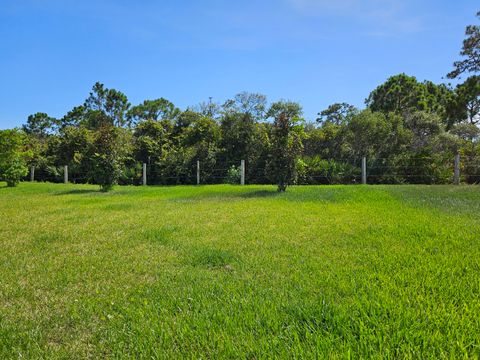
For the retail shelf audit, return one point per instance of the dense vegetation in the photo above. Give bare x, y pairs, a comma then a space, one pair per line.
409, 131
214, 272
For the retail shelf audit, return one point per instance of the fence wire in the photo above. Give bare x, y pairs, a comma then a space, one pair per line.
424, 170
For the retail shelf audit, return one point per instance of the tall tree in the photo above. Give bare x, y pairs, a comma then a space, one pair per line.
106, 106
468, 99
367, 134
238, 124
151, 141
74, 146
208, 108
470, 51
40, 128
424, 127
252, 104
158, 109
286, 141
403, 94
337, 114
39, 125
202, 130
183, 121
75, 117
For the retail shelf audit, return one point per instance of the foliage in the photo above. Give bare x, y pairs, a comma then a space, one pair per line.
250, 104
405, 120
424, 128
468, 133
468, 100
258, 154
233, 175
39, 125
366, 134
73, 145
178, 167
12, 156
415, 168
106, 107
208, 109
338, 113
237, 131
403, 94
150, 141
286, 140
159, 109
107, 157
321, 171
14, 172
75, 117
470, 52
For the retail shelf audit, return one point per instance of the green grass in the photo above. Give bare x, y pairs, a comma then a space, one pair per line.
239, 272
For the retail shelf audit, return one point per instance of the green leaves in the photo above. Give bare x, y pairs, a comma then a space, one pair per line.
158, 109
40, 125
468, 100
106, 106
13, 156
402, 93
470, 52
108, 157
14, 172
286, 142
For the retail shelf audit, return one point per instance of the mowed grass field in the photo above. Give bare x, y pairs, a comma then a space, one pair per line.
239, 272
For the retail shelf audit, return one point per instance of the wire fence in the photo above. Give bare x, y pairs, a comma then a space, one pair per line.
419, 170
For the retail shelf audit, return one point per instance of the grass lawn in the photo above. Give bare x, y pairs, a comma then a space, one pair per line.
239, 272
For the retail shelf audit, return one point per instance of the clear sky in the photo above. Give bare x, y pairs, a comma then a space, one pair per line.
313, 51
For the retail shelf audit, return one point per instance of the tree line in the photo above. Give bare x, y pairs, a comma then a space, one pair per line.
409, 131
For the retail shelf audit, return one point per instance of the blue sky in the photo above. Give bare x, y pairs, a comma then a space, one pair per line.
313, 51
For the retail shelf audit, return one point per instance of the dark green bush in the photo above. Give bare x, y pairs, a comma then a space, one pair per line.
320, 171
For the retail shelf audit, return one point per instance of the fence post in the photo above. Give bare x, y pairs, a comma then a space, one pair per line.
65, 174
242, 172
32, 173
364, 170
456, 171
198, 172
144, 174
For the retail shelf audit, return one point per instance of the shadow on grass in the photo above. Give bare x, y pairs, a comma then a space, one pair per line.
257, 194
79, 192
225, 195
316, 194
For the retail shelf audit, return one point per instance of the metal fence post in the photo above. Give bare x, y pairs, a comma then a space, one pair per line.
364, 170
242, 172
144, 174
65, 174
198, 172
32, 173
456, 170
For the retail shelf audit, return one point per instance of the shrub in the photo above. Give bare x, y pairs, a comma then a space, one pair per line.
320, 171
15, 172
12, 156
421, 168
107, 158
233, 175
